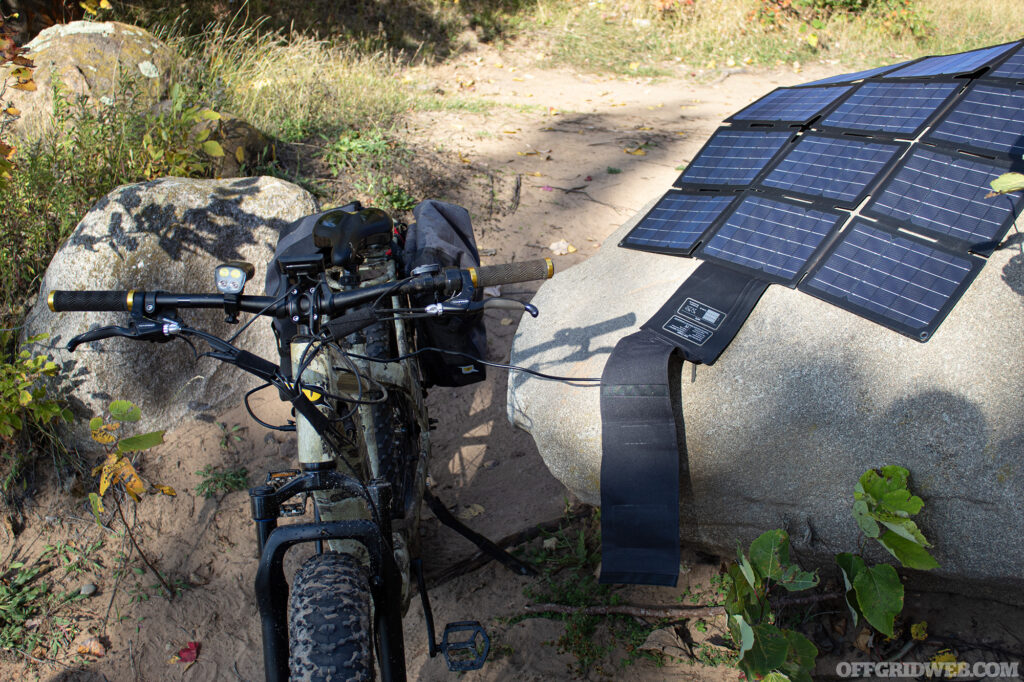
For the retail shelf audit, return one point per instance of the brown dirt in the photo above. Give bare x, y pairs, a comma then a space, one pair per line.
554, 135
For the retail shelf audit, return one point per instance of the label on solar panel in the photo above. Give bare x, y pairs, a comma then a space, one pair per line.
676, 222
892, 108
704, 314
1012, 68
840, 169
792, 106
897, 281
988, 119
771, 238
953, 64
732, 159
943, 196
687, 331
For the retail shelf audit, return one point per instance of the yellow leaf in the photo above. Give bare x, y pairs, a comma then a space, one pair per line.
638, 151
89, 6
919, 631
165, 489
240, 154
132, 483
812, 40
103, 436
27, 86
12, 111
107, 472
104, 4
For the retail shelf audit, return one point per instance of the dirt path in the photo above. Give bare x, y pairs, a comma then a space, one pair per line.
552, 156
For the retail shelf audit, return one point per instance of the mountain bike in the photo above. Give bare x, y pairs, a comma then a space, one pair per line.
349, 320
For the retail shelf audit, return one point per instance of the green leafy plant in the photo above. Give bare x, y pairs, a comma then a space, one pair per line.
765, 648
216, 481
229, 435
883, 506
27, 408
178, 140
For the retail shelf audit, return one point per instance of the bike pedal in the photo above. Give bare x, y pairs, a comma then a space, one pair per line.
469, 652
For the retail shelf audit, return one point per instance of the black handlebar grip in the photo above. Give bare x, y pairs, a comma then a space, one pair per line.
508, 273
61, 301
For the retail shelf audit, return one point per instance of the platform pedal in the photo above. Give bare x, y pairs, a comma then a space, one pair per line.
465, 645
277, 480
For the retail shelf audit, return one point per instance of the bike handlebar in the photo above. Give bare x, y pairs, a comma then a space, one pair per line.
444, 282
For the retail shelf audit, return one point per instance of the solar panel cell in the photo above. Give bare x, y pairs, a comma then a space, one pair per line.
944, 196
989, 118
773, 238
676, 222
953, 64
792, 105
902, 283
732, 158
1011, 68
895, 108
856, 76
834, 168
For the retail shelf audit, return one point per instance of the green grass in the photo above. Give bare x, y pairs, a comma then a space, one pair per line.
216, 481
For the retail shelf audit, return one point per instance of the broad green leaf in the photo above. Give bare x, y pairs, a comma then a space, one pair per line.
95, 423
863, 517
767, 653
880, 596
775, 677
1007, 182
850, 565
802, 650
125, 411
896, 475
905, 528
901, 501
213, 148
203, 135
909, 553
741, 599
24, 398
747, 570
795, 579
877, 486
209, 115
742, 633
143, 441
770, 553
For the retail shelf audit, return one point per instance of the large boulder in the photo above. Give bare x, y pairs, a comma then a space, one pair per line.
166, 234
94, 60
806, 398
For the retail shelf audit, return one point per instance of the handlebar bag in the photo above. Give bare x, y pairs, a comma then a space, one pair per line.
442, 234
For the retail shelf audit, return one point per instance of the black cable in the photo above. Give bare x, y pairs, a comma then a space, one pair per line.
290, 426
257, 316
498, 365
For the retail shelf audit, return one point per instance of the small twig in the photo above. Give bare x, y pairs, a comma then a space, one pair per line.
142, 555
516, 191
660, 612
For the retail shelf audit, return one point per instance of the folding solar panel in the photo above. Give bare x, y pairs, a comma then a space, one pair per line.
772, 238
851, 77
943, 196
677, 221
839, 169
1012, 68
952, 64
897, 281
988, 119
732, 159
793, 106
889, 107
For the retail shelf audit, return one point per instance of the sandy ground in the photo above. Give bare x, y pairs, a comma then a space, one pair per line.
536, 167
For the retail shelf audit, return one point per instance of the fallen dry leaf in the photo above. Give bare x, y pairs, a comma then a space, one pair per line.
92, 647
636, 151
561, 247
470, 511
864, 640
187, 654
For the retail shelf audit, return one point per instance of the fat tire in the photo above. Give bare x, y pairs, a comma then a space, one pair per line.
329, 626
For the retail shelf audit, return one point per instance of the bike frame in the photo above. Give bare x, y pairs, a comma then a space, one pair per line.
342, 515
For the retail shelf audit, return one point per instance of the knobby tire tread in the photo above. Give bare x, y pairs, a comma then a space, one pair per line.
329, 627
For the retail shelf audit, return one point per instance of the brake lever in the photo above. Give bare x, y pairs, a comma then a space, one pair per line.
464, 308
140, 329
